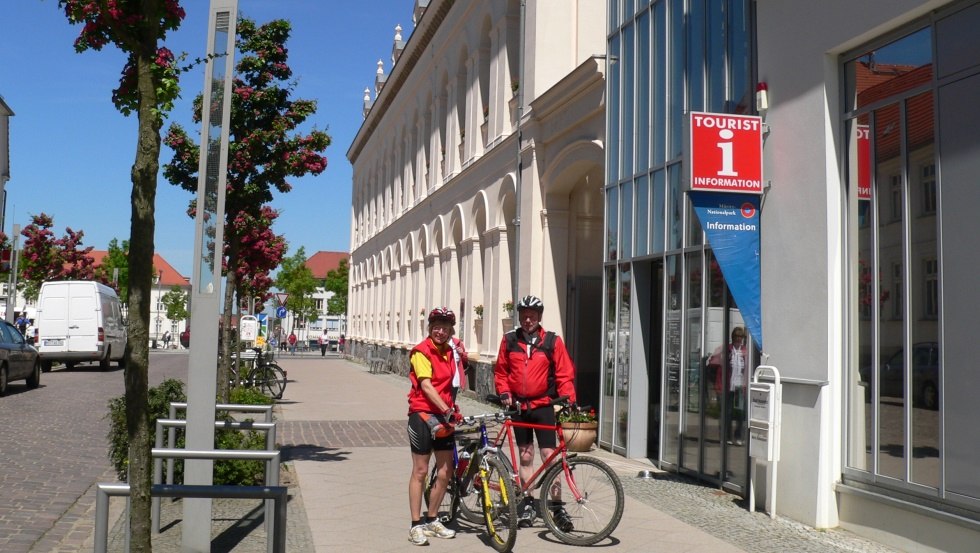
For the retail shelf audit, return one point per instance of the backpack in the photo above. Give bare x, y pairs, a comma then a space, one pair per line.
547, 346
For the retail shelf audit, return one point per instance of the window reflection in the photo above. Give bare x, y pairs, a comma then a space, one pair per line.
894, 426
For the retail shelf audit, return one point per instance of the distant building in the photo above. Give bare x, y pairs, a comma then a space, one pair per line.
320, 264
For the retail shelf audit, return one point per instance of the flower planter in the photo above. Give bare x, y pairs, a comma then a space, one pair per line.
579, 436
507, 323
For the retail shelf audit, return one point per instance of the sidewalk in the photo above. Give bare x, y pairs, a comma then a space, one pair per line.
346, 462
345, 433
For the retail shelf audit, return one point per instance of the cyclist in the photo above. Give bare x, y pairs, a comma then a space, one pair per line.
437, 367
533, 367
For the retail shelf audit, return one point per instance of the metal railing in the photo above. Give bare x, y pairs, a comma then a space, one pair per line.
278, 495
230, 407
270, 444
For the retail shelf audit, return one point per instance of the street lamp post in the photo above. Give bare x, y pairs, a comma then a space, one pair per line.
158, 279
208, 246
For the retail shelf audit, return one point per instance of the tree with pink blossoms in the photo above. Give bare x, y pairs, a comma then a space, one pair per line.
148, 87
266, 149
45, 257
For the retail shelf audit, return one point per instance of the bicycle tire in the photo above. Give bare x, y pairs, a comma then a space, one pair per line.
270, 379
597, 515
499, 504
470, 506
449, 506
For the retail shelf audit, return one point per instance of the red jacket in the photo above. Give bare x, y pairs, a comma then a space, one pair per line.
443, 367
528, 378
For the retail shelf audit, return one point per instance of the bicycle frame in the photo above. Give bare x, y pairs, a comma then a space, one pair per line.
561, 451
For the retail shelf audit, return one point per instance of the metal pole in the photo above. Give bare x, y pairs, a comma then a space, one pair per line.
516, 285
12, 295
206, 282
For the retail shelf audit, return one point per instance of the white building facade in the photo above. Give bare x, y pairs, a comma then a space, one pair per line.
478, 179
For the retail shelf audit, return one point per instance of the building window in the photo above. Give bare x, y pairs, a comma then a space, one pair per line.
930, 283
896, 290
928, 176
895, 191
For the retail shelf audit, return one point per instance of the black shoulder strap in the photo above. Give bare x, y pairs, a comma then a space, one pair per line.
511, 338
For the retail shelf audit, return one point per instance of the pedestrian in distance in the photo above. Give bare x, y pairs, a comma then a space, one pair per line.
166, 340
533, 368
292, 342
340, 344
323, 341
436, 375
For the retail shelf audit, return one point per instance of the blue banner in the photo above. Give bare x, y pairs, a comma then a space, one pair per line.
731, 223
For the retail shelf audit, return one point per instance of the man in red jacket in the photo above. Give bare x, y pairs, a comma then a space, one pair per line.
525, 373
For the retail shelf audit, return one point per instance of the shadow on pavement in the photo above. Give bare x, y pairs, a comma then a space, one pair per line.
309, 452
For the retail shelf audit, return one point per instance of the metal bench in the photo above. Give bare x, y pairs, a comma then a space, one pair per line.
377, 364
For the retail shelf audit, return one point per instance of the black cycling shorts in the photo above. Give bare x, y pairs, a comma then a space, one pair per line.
420, 437
538, 415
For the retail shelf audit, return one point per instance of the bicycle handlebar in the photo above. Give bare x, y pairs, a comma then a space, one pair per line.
474, 419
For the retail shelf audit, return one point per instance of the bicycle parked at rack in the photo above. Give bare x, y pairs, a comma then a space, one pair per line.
255, 369
595, 507
481, 487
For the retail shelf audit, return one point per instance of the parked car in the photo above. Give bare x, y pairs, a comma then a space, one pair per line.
18, 359
925, 375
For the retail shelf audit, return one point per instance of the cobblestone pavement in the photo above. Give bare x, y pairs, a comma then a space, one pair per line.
52, 450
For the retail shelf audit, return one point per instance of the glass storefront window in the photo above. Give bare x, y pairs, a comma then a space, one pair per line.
629, 110
623, 355
607, 410
657, 213
658, 71
676, 201
642, 91
672, 360
626, 221
642, 216
613, 114
612, 223
894, 425
904, 64
675, 77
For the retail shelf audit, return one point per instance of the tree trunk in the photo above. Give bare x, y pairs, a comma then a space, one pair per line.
227, 346
142, 224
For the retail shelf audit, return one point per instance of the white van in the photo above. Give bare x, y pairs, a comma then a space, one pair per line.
79, 321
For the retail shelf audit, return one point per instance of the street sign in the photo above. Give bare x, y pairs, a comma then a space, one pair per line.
726, 152
281, 298
280, 312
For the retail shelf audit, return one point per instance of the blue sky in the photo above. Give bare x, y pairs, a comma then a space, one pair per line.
71, 151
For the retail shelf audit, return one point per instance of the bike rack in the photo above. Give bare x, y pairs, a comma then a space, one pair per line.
276, 540
270, 444
230, 407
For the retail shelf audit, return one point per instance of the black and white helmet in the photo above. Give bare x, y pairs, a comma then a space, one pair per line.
531, 302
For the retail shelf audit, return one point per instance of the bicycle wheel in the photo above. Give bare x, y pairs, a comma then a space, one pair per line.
470, 501
270, 379
449, 505
499, 504
593, 517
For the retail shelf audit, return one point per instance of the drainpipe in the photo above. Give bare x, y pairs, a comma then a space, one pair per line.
520, 163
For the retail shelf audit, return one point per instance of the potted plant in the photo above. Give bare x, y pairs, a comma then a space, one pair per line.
478, 309
507, 322
515, 85
486, 113
579, 428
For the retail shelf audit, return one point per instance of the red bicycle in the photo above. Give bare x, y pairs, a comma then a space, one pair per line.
581, 498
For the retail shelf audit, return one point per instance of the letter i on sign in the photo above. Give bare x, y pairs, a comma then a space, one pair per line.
727, 157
